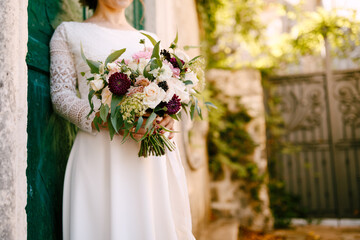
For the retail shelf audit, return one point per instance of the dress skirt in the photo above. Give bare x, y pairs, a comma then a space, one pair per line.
112, 194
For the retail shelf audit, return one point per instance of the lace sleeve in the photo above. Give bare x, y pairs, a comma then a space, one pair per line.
63, 83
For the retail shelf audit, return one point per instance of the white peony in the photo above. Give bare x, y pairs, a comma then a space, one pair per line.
153, 95
106, 96
97, 84
179, 88
165, 73
162, 74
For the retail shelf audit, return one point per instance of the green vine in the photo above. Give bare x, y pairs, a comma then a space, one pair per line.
229, 143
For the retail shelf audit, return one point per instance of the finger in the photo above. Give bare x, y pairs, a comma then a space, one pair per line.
170, 125
165, 121
171, 135
141, 131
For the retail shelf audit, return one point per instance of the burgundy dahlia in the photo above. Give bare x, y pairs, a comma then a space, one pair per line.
175, 63
174, 105
119, 83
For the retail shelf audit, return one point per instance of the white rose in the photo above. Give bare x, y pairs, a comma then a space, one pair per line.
113, 67
97, 84
106, 96
153, 95
97, 77
179, 88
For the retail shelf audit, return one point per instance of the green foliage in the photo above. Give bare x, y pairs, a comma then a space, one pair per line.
228, 141
313, 27
236, 38
284, 206
231, 28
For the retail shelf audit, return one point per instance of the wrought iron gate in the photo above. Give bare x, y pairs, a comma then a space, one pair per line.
322, 118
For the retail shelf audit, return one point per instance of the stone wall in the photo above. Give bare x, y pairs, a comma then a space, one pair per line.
13, 118
165, 17
232, 198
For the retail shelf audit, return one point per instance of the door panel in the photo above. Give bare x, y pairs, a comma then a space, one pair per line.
49, 136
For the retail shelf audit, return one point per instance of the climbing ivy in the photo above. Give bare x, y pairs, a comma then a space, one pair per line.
228, 141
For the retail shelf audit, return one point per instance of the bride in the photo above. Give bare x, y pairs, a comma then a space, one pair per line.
109, 192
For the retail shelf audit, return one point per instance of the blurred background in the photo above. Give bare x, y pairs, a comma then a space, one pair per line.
278, 159
292, 66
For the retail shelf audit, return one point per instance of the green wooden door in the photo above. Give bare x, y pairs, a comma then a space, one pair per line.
49, 137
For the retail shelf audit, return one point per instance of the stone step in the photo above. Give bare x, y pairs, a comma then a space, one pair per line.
222, 229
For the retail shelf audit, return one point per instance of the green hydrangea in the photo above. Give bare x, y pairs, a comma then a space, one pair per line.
197, 66
133, 106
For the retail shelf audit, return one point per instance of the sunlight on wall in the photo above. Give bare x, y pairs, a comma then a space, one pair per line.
343, 4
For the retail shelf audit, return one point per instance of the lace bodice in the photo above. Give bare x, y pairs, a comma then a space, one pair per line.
69, 89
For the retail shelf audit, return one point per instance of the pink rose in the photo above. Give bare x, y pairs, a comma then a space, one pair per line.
176, 71
142, 54
134, 90
142, 81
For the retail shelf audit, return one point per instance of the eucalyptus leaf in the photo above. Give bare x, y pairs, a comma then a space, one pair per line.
94, 65
150, 120
139, 124
192, 111
174, 116
104, 111
115, 100
90, 96
181, 65
126, 134
188, 82
176, 38
146, 72
156, 51
111, 130
115, 55
210, 104
116, 119
199, 112
192, 60
152, 40
96, 122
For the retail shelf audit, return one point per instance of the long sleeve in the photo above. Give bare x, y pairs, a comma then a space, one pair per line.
63, 82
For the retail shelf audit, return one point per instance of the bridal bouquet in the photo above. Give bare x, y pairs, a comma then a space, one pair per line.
133, 92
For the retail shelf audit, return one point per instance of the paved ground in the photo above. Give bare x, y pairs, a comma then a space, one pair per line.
307, 233
222, 229
226, 229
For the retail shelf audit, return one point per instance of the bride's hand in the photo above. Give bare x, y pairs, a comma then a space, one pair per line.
168, 123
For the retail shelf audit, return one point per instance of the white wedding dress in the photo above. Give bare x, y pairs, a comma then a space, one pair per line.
109, 192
